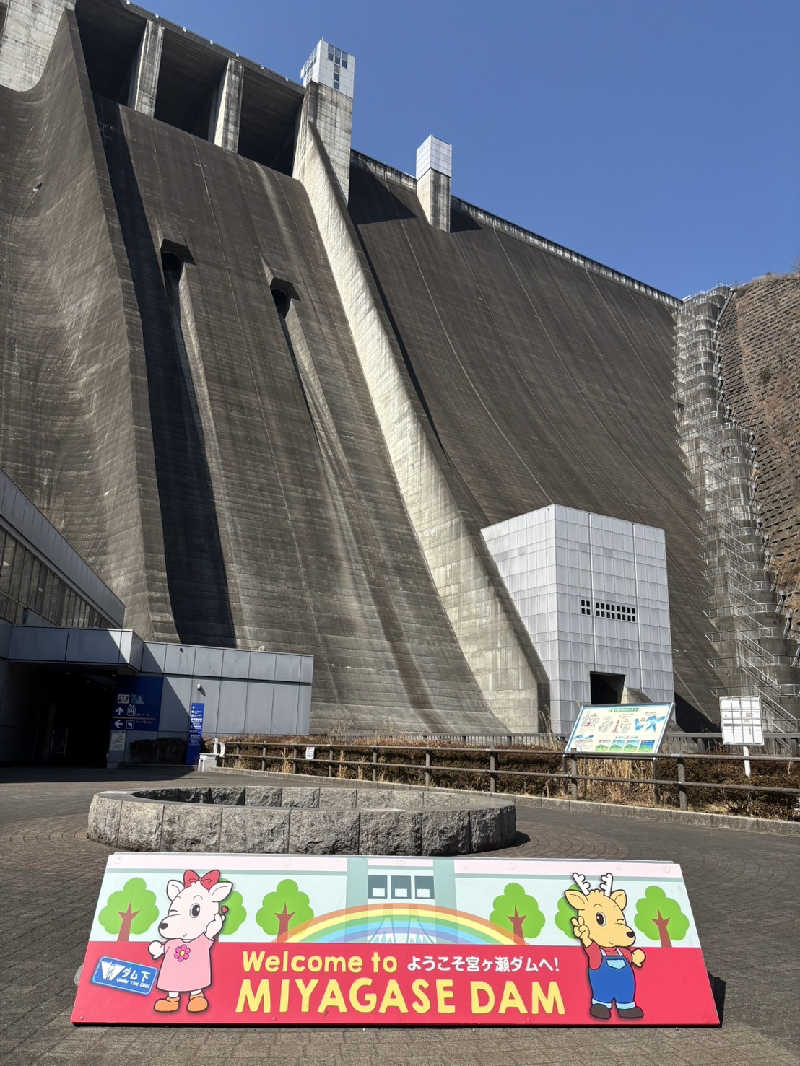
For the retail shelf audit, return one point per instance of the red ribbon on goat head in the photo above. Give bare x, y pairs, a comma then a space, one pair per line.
207, 880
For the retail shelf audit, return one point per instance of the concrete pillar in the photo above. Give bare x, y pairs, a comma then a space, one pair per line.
225, 117
27, 36
329, 77
144, 79
434, 171
486, 623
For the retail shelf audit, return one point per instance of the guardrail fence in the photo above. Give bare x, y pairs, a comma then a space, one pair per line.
685, 779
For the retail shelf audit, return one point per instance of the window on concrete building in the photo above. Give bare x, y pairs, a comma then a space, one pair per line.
25, 579
16, 571
57, 602
7, 556
34, 584
28, 583
602, 609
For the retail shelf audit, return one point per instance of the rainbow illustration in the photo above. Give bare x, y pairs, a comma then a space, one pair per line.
407, 922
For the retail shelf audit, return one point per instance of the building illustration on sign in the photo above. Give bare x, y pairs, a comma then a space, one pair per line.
398, 940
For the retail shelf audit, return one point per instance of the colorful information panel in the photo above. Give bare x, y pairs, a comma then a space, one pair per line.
337, 940
620, 729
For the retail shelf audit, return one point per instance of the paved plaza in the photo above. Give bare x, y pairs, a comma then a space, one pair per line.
743, 888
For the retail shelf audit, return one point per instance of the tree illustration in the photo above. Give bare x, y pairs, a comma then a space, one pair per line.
284, 909
660, 917
131, 910
235, 912
565, 913
517, 912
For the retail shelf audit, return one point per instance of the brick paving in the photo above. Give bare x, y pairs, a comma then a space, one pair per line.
742, 886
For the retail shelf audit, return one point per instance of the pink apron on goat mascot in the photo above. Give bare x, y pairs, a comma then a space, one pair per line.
192, 923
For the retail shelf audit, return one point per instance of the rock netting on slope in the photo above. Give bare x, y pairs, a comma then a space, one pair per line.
301, 820
759, 353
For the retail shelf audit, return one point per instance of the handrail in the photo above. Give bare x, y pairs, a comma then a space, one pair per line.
567, 775
627, 757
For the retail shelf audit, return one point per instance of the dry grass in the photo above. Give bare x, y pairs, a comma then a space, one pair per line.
613, 791
537, 772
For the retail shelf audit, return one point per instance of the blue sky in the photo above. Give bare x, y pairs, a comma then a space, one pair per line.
658, 137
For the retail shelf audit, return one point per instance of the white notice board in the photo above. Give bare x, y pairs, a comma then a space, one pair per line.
741, 720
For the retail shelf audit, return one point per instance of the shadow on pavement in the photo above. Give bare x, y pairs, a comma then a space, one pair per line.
718, 987
134, 772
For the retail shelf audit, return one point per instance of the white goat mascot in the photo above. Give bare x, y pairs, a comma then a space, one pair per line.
193, 921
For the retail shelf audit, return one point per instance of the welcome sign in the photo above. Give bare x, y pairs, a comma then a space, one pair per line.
370, 940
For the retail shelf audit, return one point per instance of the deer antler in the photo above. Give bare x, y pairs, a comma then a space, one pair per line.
582, 883
606, 881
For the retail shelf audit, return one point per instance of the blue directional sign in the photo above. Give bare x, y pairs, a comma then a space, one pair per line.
124, 976
137, 704
196, 714
194, 744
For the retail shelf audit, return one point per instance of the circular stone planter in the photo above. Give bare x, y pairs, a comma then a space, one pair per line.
302, 820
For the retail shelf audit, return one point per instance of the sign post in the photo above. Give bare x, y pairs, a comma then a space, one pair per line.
740, 719
137, 708
194, 744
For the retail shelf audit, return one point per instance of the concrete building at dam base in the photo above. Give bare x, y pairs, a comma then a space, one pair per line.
295, 442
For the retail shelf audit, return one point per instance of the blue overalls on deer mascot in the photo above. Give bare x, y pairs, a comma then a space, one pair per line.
611, 978
607, 940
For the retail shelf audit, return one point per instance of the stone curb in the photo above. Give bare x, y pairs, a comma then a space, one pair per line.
301, 820
773, 826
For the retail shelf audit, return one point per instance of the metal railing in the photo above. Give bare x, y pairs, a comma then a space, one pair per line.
766, 657
778, 742
565, 774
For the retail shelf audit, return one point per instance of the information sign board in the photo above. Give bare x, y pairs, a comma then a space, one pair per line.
116, 742
194, 744
741, 721
137, 705
392, 940
620, 729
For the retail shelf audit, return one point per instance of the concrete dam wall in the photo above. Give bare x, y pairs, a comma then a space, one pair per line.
74, 424
545, 382
244, 443
274, 403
